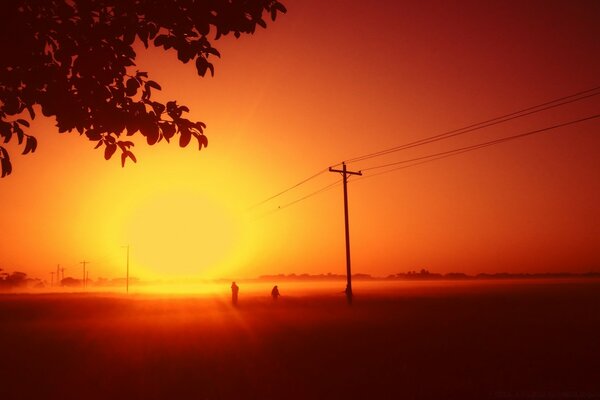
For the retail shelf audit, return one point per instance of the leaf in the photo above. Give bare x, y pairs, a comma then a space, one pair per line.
158, 107
152, 29
5, 128
6, 167
8, 135
202, 141
93, 135
150, 130
168, 130
184, 54
201, 66
277, 7
30, 145
110, 139
124, 156
109, 151
153, 84
31, 112
184, 137
143, 35
20, 135
129, 35
99, 144
280, 7
131, 87
160, 40
213, 51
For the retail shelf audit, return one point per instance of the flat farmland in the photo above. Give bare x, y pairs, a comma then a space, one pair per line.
427, 340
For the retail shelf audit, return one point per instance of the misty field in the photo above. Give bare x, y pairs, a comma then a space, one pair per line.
456, 340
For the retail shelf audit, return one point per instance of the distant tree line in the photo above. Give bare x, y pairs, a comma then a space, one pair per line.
424, 274
16, 280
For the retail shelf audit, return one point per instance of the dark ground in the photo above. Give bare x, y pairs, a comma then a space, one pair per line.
535, 340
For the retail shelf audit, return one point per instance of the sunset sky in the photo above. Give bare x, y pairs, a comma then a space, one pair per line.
331, 81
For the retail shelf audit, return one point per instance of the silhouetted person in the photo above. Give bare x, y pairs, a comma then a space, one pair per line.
275, 293
234, 293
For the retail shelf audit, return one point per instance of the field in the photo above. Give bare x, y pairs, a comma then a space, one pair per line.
423, 340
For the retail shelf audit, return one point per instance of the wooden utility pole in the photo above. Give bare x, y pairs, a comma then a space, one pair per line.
51, 279
84, 263
345, 174
127, 275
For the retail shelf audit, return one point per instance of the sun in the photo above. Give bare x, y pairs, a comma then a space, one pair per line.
182, 234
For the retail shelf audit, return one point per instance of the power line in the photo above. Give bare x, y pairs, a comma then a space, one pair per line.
316, 192
413, 165
420, 160
465, 149
484, 124
288, 189
433, 157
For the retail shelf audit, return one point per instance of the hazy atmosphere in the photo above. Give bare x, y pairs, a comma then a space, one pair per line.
357, 200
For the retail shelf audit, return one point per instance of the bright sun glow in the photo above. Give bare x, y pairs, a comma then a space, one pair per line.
177, 224
183, 234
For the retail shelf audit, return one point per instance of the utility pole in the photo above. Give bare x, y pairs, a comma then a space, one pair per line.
58, 275
62, 274
84, 263
127, 275
345, 174
51, 279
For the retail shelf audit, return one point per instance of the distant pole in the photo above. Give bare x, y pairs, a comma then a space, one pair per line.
57, 274
87, 277
345, 174
51, 279
62, 274
127, 274
84, 263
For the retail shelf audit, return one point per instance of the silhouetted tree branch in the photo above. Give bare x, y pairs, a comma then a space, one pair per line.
75, 60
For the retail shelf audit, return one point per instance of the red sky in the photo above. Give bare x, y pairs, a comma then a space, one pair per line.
327, 82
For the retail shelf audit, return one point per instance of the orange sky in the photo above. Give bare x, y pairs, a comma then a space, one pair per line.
327, 82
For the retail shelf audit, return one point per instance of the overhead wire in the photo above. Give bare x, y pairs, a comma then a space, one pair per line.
323, 189
421, 160
484, 124
288, 189
437, 156
316, 192
465, 149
